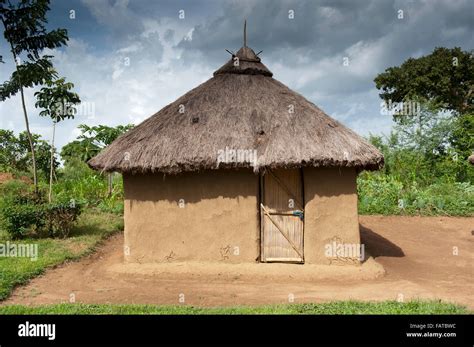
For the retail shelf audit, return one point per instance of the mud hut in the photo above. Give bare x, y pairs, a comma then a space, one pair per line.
240, 169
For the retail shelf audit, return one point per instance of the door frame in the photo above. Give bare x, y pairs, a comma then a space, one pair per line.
261, 201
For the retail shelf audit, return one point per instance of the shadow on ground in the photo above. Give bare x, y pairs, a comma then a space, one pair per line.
377, 245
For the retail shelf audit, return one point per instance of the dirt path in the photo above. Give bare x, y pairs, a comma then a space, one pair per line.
416, 252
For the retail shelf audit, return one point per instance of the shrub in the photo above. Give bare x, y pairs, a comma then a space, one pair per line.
20, 219
60, 218
24, 213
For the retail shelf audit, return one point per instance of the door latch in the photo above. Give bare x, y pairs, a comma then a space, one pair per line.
299, 214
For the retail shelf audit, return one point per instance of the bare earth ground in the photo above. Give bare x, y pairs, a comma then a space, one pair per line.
416, 253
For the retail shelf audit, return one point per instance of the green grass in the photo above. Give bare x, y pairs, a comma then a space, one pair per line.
92, 227
337, 307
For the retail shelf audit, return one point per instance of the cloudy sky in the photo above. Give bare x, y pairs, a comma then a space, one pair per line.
129, 58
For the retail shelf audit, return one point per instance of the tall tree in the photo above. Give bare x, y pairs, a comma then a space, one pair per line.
444, 78
57, 101
25, 31
442, 82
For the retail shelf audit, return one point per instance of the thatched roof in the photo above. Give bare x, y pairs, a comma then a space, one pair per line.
242, 108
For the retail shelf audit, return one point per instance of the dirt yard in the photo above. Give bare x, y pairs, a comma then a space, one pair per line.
416, 253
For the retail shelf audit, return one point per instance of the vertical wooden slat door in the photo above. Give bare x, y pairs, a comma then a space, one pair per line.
282, 215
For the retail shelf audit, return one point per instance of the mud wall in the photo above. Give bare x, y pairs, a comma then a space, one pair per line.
213, 216
330, 213
209, 216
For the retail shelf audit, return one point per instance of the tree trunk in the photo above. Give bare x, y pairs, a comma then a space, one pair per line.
27, 123
51, 169
30, 140
110, 185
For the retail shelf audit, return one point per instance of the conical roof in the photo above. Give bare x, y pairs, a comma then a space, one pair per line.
242, 109
246, 62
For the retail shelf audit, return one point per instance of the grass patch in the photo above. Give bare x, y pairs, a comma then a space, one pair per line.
92, 227
337, 307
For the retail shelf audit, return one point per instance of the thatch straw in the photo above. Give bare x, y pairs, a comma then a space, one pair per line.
241, 108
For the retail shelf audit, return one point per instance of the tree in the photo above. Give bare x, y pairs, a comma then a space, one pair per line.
58, 102
102, 135
83, 150
25, 31
15, 153
444, 78
441, 82
9, 151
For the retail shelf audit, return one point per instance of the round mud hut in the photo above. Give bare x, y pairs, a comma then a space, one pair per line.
240, 169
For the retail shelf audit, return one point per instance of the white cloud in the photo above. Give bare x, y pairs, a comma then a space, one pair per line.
120, 94
162, 68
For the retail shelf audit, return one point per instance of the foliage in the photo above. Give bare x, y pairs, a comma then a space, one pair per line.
89, 230
57, 100
444, 77
88, 187
335, 307
60, 218
15, 155
426, 155
423, 173
21, 219
92, 140
83, 150
385, 194
89, 143
462, 139
25, 30
423, 153
25, 213
103, 135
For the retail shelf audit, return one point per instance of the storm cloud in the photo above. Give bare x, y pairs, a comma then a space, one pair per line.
131, 58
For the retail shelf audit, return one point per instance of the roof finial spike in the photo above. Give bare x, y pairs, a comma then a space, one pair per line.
245, 33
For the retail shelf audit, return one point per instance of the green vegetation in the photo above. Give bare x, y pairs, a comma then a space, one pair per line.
384, 194
338, 307
27, 36
16, 158
24, 210
92, 227
444, 77
426, 167
26, 213
86, 206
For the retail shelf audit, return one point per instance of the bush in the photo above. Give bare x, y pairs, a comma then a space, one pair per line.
24, 213
60, 218
20, 219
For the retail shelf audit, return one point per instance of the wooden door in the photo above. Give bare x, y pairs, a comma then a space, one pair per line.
282, 215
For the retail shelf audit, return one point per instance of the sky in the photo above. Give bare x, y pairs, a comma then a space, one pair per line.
130, 58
